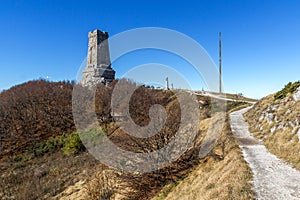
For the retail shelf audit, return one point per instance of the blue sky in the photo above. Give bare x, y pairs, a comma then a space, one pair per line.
261, 38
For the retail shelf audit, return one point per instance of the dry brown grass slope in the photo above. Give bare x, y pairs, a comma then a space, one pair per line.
276, 121
215, 177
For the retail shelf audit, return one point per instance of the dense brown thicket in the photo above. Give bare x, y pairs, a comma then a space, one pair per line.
139, 106
33, 111
140, 102
37, 110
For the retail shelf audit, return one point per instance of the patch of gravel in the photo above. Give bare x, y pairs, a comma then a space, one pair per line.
273, 178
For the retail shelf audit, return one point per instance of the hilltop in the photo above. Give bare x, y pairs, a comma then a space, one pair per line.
32, 112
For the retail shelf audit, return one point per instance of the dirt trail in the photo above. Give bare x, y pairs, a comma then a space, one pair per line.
273, 178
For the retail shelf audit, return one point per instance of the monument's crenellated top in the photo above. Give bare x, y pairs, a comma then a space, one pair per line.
97, 32
98, 67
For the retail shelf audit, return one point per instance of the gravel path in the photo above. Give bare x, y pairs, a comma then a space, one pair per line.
273, 178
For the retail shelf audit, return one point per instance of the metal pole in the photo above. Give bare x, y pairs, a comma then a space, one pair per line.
167, 83
220, 62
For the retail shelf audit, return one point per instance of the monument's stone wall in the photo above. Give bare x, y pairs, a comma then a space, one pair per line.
98, 66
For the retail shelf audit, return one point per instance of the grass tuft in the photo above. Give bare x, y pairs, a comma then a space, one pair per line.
289, 88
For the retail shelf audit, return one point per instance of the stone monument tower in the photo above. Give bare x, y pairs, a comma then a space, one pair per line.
98, 67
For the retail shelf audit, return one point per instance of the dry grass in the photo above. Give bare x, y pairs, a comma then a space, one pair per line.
215, 178
283, 142
103, 185
286, 146
44, 177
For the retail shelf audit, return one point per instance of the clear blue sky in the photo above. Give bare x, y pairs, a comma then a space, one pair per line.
261, 38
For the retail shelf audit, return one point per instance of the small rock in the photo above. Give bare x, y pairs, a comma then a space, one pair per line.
273, 129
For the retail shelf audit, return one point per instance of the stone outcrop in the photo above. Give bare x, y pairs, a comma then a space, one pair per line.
98, 66
276, 115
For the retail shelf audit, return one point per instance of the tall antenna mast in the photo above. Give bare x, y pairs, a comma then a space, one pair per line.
220, 62
167, 83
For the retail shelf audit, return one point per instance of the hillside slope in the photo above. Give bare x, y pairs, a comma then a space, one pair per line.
32, 112
214, 178
276, 121
272, 177
37, 124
